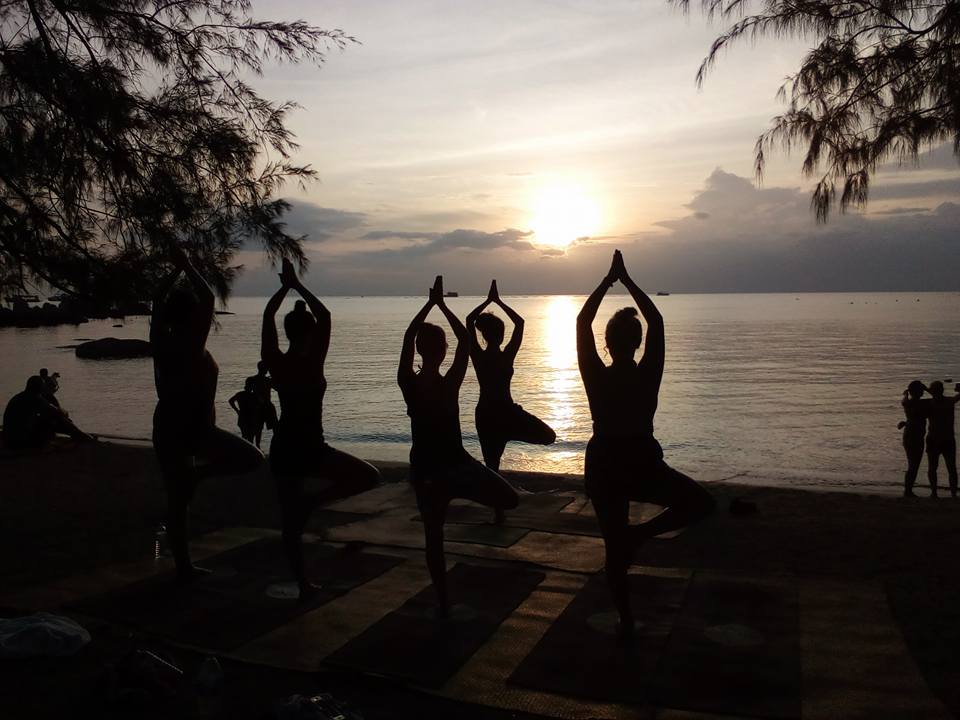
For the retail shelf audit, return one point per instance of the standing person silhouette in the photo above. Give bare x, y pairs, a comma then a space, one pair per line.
499, 419
262, 387
298, 450
941, 440
915, 409
188, 443
249, 409
440, 469
624, 461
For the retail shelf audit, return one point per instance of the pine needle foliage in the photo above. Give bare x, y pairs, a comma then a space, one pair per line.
130, 126
881, 83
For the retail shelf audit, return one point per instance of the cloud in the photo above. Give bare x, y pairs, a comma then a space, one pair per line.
396, 235
454, 240
735, 237
914, 190
939, 158
449, 218
321, 223
766, 240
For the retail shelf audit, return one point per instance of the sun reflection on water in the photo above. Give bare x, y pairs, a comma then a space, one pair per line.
561, 379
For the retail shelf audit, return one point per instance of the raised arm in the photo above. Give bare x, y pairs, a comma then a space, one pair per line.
269, 343
516, 337
587, 356
159, 305
654, 348
407, 352
472, 323
458, 368
321, 342
204, 318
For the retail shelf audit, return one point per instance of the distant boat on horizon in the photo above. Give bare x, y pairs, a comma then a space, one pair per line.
661, 293
451, 293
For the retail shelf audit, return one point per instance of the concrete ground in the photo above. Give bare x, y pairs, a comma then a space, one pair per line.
852, 637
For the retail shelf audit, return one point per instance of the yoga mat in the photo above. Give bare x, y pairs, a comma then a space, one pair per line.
481, 533
542, 513
579, 655
734, 650
411, 644
495, 535
533, 505
230, 607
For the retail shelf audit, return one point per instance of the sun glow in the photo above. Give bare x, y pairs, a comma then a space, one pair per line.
561, 214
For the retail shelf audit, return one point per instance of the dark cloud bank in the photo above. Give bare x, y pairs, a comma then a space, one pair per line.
735, 238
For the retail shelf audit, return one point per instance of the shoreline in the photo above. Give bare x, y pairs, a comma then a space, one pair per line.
845, 485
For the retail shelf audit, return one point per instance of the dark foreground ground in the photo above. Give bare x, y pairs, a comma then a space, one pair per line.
817, 605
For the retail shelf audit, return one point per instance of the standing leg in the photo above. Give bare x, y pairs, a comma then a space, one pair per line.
492, 444
613, 514
178, 471
180, 482
933, 461
295, 509
433, 511
492, 450
343, 476
950, 460
914, 452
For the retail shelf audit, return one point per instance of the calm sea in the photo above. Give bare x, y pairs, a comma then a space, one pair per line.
787, 390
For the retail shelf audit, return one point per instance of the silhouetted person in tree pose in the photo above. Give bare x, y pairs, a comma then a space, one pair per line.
30, 421
499, 419
941, 440
624, 461
440, 469
915, 409
188, 443
298, 450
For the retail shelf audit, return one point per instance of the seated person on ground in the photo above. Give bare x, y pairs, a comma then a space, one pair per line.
30, 421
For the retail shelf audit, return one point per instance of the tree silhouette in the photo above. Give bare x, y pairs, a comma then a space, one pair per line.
128, 126
882, 83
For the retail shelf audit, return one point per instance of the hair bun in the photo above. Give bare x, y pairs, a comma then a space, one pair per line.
300, 306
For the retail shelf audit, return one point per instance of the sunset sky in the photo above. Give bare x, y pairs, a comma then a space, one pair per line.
524, 140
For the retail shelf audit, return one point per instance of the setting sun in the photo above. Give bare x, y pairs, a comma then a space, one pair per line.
561, 214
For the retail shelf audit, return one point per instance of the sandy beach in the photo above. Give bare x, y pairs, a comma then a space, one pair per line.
82, 511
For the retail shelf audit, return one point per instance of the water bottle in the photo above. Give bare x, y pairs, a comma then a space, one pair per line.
161, 547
